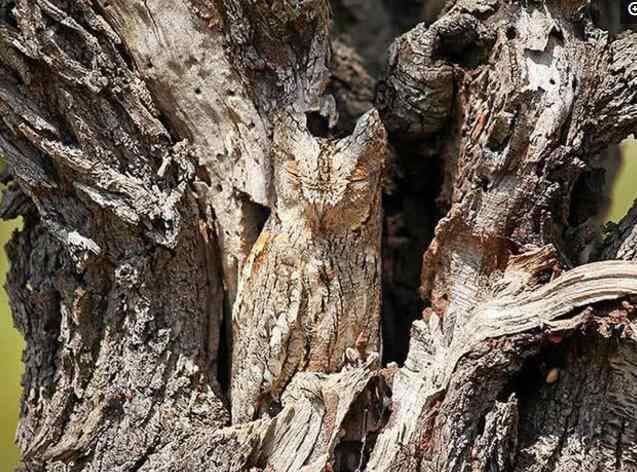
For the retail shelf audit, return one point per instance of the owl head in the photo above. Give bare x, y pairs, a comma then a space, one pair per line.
331, 185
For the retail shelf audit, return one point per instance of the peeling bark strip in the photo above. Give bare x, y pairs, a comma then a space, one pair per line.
200, 184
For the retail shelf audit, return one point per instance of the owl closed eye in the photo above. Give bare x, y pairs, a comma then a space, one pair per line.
328, 183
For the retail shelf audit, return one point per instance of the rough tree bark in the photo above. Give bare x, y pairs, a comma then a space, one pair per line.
200, 183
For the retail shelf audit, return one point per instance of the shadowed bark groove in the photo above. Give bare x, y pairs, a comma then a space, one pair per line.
201, 182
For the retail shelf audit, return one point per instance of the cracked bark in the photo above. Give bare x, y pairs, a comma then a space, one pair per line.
201, 185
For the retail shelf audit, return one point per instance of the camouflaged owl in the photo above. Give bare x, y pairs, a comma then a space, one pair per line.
311, 285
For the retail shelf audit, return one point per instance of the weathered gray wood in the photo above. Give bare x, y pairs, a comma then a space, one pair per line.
519, 136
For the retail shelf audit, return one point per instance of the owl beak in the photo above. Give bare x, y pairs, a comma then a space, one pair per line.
319, 208
315, 213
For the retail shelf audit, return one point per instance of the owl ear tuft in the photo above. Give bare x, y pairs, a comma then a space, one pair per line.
368, 142
289, 133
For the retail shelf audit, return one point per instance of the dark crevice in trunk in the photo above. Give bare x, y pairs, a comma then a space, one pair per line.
257, 215
607, 15
363, 423
370, 26
588, 196
411, 215
6, 13
590, 201
537, 371
406, 13
318, 125
224, 355
260, 215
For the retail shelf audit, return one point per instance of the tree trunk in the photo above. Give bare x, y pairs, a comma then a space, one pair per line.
243, 250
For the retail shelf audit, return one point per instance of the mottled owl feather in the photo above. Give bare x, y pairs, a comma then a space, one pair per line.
311, 286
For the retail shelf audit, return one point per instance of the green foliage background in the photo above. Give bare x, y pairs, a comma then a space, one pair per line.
625, 191
11, 343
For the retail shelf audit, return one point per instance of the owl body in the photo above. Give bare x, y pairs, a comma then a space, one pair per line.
311, 285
